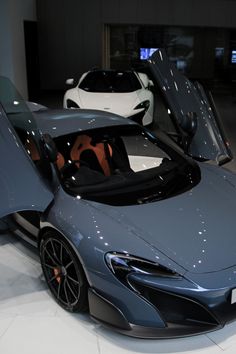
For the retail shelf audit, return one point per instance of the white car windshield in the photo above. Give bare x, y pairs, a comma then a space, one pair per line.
110, 81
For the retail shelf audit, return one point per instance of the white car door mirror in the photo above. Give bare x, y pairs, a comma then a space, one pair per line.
70, 81
150, 84
144, 78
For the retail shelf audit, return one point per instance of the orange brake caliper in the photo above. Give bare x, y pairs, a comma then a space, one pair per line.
57, 274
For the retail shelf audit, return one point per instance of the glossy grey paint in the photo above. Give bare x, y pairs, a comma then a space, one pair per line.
92, 242
158, 231
190, 227
33, 106
66, 121
163, 231
184, 97
21, 187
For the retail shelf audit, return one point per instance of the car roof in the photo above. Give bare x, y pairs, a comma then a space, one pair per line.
111, 70
62, 122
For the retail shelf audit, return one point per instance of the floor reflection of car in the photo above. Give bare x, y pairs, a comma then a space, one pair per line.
129, 227
122, 92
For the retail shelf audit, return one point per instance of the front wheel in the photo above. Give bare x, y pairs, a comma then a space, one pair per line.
63, 272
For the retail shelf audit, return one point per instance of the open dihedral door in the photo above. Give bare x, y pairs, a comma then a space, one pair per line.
21, 186
201, 134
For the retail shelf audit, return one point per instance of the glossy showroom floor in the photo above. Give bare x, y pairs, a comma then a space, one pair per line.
31, 322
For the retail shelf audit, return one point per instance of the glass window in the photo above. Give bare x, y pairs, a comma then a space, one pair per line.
110, 81
199, 52
142, 153
123, 166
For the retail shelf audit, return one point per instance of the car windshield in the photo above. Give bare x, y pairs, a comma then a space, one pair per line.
123, 166
110, 81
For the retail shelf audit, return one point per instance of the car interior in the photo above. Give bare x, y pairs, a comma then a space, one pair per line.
105, 166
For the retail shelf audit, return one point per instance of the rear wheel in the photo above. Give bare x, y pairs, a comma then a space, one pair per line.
63, 272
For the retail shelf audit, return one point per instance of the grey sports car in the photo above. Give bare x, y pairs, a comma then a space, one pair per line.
128, 225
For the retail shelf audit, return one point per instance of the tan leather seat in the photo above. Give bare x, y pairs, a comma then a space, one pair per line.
60, 160
83, 143
32, 149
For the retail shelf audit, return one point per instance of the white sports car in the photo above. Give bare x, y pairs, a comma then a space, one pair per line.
125, 93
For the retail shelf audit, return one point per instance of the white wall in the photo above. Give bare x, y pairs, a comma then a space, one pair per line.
12, 43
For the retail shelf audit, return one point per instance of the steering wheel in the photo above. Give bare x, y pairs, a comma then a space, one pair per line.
70, 167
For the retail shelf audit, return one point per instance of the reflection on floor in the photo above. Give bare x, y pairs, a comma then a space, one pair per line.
31, 321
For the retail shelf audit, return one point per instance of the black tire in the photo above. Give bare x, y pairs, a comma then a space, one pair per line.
63, 272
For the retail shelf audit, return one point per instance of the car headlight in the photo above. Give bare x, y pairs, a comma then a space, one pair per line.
124, 264
145, 105
71, 104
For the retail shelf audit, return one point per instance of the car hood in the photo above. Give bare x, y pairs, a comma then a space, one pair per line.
195, 229
119, 103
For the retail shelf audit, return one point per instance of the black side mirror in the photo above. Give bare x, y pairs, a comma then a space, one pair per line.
50, 148
189, 123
